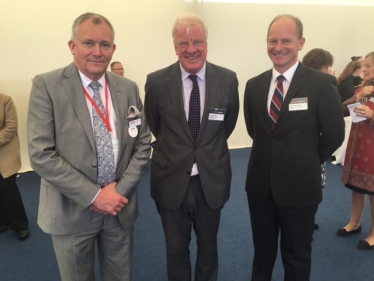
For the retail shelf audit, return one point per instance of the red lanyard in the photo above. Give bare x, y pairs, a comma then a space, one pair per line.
105, 119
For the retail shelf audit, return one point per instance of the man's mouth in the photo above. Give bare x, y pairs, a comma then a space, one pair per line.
280, 55
192, 58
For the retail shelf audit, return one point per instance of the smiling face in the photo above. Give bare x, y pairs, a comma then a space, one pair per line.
92, 48
283, 44
190, 44
368, 68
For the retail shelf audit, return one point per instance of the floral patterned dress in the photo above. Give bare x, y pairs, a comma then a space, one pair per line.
358, 172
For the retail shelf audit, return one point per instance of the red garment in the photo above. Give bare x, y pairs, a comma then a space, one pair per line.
359, 159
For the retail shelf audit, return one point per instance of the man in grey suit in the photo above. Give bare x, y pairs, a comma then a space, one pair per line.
89, 142
191, 107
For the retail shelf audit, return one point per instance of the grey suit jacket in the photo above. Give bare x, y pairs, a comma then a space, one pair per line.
175, 150
63, 152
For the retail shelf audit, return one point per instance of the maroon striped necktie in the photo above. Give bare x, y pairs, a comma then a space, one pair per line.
276, 101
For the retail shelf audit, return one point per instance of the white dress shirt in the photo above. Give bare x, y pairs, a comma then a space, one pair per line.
286, 83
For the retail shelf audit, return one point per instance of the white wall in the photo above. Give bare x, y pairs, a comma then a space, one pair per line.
34, 36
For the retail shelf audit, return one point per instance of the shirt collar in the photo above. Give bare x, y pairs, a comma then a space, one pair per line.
86, 81
288, 74
200, 74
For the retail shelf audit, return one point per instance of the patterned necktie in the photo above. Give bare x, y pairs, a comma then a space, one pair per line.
194, 109
104, 147
276, 102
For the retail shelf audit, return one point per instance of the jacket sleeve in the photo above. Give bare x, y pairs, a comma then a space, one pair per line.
330, 120
9, 130
233, 108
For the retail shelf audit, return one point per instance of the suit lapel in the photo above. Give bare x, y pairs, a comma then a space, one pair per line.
211, 90
73, 89
120, 106
176, 95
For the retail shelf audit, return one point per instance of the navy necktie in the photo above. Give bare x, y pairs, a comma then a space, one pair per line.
194, 108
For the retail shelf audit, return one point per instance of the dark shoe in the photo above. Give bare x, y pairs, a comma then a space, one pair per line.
23, 235
3, 228
316, 226
364, 245
344, 232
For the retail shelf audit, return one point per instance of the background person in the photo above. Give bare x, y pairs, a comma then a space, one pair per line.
358, 79
319, 59
89, 142
191, 170
346, 80
12, 211
117, 68
292, 136
359, 160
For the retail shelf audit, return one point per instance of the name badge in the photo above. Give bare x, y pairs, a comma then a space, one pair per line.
371, 99
216, 114
298, 104
133, 132
135, 123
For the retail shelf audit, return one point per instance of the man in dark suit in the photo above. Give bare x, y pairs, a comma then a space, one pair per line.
89, 142
191, 107
291, 138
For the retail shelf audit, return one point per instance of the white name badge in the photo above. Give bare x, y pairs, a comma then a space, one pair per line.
298, 104
135, 123
216, 114
133, 132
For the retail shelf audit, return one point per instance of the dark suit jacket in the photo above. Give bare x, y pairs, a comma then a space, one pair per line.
63, 152
175, 150
286, 161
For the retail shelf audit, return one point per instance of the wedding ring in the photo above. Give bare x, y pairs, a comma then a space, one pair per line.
362, 112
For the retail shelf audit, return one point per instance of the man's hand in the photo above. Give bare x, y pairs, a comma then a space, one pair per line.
109, 201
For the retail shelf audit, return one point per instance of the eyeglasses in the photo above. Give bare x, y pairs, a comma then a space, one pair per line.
118, 69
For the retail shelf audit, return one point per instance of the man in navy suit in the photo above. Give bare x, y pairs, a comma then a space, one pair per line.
191, 171
291, 138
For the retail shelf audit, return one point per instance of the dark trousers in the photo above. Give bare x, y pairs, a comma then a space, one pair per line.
12, 211
195, 212
295, 226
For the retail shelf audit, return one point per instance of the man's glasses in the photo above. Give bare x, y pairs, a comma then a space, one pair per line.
118, 69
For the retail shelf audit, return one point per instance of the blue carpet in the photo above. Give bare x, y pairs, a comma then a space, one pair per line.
334, 258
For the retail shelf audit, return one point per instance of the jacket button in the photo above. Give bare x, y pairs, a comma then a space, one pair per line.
188, 173
94, 165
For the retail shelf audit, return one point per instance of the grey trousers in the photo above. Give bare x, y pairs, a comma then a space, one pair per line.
75, 253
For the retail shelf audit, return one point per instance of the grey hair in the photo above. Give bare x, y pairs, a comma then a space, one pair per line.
188, 20
95, 19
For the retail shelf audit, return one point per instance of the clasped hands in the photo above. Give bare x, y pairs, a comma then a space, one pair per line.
109, 201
